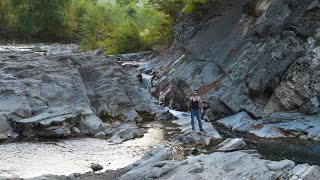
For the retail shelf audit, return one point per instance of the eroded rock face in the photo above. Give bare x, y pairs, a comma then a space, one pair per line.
280, 124
237, 59
48, 94
112, 91
300, 87
219, 165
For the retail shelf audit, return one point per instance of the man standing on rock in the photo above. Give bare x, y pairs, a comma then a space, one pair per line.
196, 108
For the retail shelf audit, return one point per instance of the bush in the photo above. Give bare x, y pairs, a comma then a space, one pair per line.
155, 28
191, 5
124, 39
92, 27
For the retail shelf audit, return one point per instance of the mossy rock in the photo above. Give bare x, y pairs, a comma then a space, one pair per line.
176, 100
105, 117
146, 116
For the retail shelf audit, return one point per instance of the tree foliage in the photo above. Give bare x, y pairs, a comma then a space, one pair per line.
122, 26
125, 27
190, 6
8, 19
125, 38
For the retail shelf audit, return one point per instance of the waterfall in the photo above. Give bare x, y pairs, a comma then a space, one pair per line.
146, 81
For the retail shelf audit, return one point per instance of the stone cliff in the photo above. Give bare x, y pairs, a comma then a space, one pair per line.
260, 57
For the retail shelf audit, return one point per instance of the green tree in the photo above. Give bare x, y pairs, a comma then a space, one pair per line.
8, 19
124, 39
97, 23
43, 19
51, 17
123, 3
156, 27
169, 7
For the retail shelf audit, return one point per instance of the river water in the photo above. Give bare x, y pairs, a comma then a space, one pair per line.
300, 151
34, 158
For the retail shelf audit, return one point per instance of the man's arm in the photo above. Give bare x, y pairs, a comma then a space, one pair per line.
201, 104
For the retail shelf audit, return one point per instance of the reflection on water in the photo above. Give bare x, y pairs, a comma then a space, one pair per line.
31, 159
299, 151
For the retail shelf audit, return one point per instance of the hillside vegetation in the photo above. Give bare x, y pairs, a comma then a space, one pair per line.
120, 26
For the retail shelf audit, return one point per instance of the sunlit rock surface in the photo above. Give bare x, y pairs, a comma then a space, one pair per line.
234, 165
48, 89
231, 144
279, 124
187, 136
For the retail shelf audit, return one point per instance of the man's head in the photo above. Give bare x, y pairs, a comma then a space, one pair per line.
194, 92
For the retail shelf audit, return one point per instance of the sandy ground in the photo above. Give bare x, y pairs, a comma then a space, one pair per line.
107, 175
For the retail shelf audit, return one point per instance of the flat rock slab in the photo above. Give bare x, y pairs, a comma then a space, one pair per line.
188, 136
279, 124
185, 125
221, 165
232, 144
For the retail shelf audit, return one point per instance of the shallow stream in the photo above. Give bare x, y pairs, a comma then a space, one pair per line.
300, 151
35, 157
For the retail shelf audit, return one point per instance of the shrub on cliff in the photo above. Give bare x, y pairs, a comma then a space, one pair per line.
190, 6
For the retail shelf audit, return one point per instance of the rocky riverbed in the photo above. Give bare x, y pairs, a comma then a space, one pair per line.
35, 157
158, 154
54, 91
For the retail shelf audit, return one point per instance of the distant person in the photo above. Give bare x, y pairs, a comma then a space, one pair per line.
196, 108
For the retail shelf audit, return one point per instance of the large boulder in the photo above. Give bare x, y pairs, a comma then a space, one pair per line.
147, 163
125, 131
303, 171
231, 144
5, 127
113, 93
48, 94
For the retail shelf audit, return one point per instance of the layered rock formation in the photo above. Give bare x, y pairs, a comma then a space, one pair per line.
258, 56
49, 91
